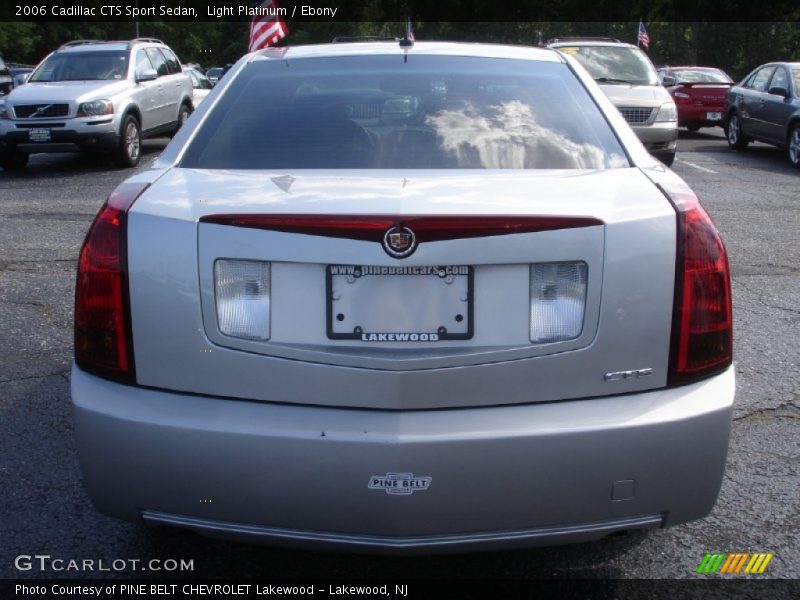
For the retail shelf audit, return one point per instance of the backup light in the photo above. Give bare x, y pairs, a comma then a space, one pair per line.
242, 291
558, 301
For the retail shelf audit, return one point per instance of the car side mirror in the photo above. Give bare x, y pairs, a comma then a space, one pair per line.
778, 90
146, 75
668, 81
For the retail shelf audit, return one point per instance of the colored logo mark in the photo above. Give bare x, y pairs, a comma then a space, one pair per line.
724, 563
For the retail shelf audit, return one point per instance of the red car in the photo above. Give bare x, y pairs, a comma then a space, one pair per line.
699, 94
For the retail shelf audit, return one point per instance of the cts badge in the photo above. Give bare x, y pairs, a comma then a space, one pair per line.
400, 484
399, 241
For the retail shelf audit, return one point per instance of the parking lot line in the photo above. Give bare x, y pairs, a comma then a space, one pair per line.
698, 167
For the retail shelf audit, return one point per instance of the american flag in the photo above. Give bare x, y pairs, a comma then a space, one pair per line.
643, 38
268, 29
409, 30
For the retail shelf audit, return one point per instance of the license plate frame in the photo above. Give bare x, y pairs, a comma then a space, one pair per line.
410, 336
40, 135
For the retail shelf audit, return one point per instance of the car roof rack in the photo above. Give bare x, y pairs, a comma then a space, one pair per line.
584, 39
141, 40
74, 43
363, 38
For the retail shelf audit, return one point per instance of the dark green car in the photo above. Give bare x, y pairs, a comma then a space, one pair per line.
765, 107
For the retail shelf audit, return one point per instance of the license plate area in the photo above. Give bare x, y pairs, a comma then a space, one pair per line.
40, 135
399, 304
714, 116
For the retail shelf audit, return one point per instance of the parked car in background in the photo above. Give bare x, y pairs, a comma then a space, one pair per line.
433, 304
627, 76
95, 96
214, 73
700, 94
200, 85
6, 82
765, 107
19, 75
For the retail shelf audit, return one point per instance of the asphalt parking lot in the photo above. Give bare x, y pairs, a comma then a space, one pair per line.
754, 197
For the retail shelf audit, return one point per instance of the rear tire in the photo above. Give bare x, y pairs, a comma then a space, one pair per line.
130, 143
794, 145
183, 114
13, 160
733, 132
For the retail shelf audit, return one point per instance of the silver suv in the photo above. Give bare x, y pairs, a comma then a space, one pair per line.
630, 81
96, 96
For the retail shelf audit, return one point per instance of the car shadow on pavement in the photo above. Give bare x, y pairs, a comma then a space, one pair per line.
66, 163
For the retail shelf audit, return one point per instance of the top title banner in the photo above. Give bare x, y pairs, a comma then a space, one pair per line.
394, 10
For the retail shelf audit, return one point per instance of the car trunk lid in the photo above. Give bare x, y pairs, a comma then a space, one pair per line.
624, 235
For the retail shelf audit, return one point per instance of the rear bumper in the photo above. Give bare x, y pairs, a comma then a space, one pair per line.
698, 115
501, 477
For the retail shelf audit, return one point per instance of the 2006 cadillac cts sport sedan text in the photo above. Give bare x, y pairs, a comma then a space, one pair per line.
404, 299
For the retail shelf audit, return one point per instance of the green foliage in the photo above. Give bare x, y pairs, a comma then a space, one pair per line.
734, 47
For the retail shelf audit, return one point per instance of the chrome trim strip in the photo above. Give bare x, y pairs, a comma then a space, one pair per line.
521, 537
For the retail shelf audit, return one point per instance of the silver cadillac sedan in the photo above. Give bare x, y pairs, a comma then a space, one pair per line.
404, 299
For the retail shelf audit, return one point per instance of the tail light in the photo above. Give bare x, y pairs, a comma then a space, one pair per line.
682, 98
103, 341
702, 321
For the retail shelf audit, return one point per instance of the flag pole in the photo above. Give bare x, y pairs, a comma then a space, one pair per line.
638, 29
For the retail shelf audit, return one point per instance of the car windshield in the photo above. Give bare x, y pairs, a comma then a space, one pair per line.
700, 76
381, 112
796, 77
83, 66
214, 72
614, 64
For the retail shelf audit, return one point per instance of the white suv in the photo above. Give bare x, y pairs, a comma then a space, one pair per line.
96, 96
630, 81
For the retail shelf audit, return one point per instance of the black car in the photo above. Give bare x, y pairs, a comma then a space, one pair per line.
6, 84
765, 107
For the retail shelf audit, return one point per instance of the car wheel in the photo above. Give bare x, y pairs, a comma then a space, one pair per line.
794, 145
13, 160
736, 139
693, 128
183, 114
667, 159
130, 143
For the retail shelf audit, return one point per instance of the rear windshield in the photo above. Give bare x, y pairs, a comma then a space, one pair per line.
698, 76
614, 64
83, 66
381, 112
